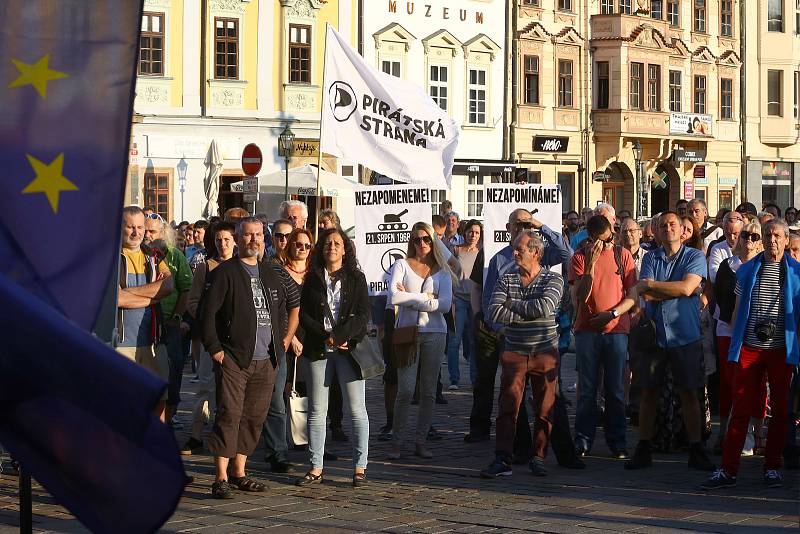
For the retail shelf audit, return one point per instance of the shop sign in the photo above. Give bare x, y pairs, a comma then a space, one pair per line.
728, 181
692, 156
699, 171
690, 124
688, 190
547, 143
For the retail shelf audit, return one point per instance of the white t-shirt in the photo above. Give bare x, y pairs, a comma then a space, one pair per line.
414, 306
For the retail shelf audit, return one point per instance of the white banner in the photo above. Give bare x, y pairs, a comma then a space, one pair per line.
499, 200
690, 124
384, 217
387, 124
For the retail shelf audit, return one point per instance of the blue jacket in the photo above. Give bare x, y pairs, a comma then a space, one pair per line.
746, 277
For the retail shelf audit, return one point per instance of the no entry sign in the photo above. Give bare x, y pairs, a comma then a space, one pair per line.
251, 159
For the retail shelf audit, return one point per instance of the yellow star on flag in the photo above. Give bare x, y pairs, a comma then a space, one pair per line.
49, 179
36, 74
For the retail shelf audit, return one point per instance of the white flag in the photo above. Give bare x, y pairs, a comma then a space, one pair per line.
387, 124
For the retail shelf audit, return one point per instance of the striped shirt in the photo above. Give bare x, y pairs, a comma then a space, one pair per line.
766, 305
528, 313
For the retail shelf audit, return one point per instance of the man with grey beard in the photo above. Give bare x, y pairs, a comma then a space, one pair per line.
248, 318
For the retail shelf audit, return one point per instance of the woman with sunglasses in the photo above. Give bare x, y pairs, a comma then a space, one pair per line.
295, 258
747, 247
463, 291
421, 287
334, 312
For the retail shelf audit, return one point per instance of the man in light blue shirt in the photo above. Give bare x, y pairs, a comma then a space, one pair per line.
670, 281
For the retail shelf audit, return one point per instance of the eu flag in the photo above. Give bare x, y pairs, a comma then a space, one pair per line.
76, 415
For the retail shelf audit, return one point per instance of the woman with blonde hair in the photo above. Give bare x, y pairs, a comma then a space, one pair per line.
421, 287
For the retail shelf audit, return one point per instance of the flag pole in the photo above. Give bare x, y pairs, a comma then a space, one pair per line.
319, 152
25, 502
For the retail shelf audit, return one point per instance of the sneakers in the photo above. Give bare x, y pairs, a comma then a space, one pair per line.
619, 454
698, 459
537, 467
642, 457
720, 479
773, 478
498, 468
453, 387
749, 443
193, 446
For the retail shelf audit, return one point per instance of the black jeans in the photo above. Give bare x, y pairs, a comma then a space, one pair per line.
483, 398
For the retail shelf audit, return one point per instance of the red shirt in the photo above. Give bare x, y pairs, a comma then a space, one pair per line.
608, 289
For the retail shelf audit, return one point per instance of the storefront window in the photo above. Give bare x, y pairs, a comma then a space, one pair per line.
776, 182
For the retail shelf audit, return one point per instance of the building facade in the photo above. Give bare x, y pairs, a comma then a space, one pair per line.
665, 103
234, 72
771, 73
548, 131
457, 53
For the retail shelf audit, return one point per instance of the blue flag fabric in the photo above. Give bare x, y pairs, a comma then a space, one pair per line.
77, 415
67, 73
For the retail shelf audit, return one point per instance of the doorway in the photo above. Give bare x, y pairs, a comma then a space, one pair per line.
229, 199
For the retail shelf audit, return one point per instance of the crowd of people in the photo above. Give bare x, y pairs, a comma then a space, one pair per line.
671, 319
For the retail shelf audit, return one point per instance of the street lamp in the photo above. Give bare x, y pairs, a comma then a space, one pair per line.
637, 156
285, 140
181, 167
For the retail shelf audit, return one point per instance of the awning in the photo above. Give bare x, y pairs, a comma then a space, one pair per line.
302, 181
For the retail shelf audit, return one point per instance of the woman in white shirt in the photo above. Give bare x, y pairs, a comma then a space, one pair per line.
421, 288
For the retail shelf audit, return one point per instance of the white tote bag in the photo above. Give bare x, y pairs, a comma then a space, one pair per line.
298, 413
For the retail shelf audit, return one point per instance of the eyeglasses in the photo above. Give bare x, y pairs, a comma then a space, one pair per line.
523, 225
752, 236
280, 237
154, 216
418, 240
302, 246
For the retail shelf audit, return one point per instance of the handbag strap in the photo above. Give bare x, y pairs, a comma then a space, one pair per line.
294, 376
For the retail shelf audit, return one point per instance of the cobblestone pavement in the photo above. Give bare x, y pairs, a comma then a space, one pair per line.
446, 494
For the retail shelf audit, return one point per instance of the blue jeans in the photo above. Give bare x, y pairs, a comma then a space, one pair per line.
319, 375
274, 433
463, 334
610, 351
172, 338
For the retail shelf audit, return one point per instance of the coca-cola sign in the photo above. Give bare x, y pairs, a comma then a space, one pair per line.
542, 143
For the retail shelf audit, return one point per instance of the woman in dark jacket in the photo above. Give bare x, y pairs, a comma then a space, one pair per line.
334, 311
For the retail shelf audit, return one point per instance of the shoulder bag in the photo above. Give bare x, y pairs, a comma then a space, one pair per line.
298, 412
366, 355
404, 339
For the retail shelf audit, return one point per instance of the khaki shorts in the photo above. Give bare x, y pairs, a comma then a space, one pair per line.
156, 360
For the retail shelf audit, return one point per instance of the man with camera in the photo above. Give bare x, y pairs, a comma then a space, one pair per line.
764, 340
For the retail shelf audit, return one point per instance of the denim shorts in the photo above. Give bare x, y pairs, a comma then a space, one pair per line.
686, 363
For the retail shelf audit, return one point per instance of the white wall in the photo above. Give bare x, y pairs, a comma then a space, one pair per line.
474, 143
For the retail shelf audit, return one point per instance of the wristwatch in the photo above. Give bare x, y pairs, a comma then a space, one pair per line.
614, 313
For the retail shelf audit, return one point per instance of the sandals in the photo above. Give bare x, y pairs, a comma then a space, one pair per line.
308, 479
221, 489
246, 483
360, 480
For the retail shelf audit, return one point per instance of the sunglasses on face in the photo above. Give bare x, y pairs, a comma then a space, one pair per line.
422, 239
279, 236
302, 246
751, 236
524, 225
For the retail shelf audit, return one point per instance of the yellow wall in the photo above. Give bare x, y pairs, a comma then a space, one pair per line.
175, 51
250, 45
